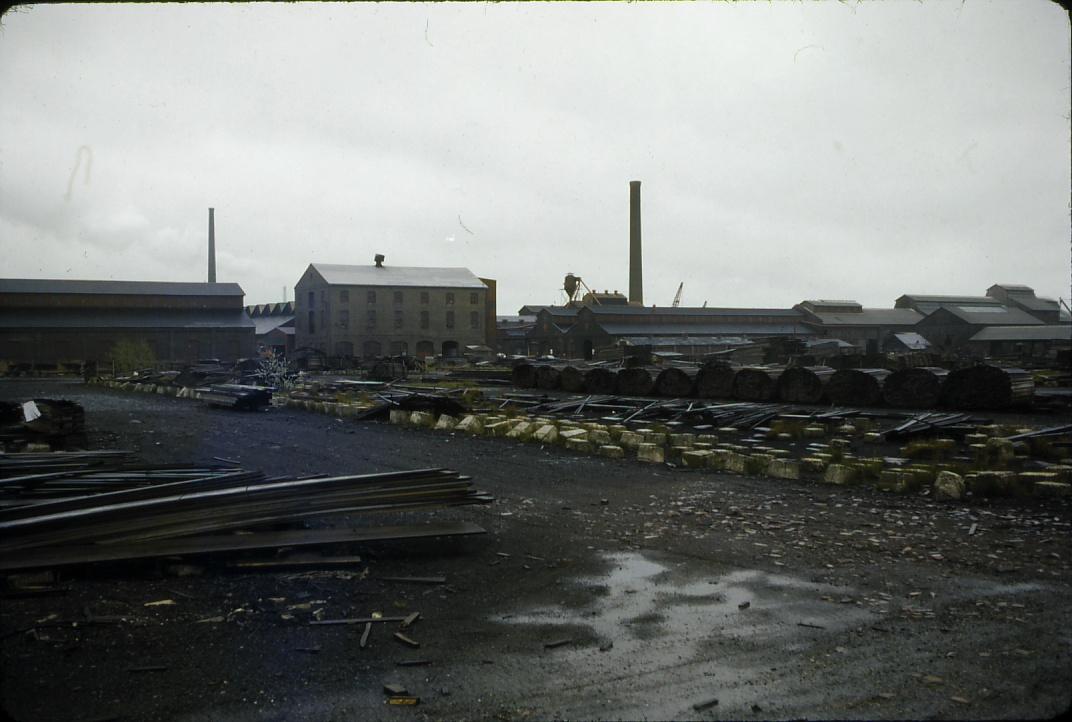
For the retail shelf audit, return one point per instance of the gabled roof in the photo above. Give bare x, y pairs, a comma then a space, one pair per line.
413, 276
267, 324
118, 288
992, 315
714, 313
1048, 332
681, 330
871, 317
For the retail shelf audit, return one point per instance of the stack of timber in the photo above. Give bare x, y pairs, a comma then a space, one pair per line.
197, 515
637, 381
677, 381
549, 376
914, 388
600, 380
715, 380
757, 383
524, 375
236, 396
987, 387
804, 384
571, 379
857, 387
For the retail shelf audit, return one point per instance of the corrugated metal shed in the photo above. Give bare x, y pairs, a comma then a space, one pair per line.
872, 317
993, 315
118, 288
1049, 332
398, 276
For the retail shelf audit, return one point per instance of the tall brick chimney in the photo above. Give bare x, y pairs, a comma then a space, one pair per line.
211, 246
636, 269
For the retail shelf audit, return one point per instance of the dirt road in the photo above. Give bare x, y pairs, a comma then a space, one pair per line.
603, 589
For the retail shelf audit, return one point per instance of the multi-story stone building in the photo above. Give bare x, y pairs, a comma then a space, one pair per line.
381, 310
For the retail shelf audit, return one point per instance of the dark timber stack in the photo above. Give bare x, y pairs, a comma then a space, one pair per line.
637, 381
915, 388
715, 381
804, 384
676, 381
756, 383
549, 377
524, 376
856, 387
600, 381
987, 387
572, 379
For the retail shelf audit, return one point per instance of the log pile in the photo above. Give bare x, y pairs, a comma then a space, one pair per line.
572, 379
524, 375
715, 381
676, 381
987, 387
548, 377
756, 383
804, 384
856, 387
637, 381
914, 388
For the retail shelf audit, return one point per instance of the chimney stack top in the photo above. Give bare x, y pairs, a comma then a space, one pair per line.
378, 258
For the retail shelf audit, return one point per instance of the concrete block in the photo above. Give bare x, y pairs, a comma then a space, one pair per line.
728, 431
840, 474
600, 437
1001, 450
578, 444
498, 428
707, 439
611, 452
573, 435
780, 453
899, 481
813, 465
744, 464
783, 469
948, 486
423, 419
1052, 489
398, 416
843, 444
471, 424
693, 459
630, 439
522, 431
546, 434
655, 437
445, 422
992, 483
813, 432
717, 459
846, 430
682, 439
873, 437
652, 453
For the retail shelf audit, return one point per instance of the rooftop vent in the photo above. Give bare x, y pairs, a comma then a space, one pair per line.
378, 258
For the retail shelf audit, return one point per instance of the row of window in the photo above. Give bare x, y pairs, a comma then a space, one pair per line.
343, 319
370, 297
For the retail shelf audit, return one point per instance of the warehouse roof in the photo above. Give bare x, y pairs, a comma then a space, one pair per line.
123, 318
397, 276
913, 341
116, 288
992, 315
705, 329
1048, 332
690, 311
267, 324
871, 317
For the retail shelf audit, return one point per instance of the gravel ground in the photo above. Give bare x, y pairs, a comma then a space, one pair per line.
603, 589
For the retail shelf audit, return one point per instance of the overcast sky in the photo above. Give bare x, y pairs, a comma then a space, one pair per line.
787, 150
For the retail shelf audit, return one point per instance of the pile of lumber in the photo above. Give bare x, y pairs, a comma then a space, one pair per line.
200, 513
804, 384
914, 388
987, 387
857, 387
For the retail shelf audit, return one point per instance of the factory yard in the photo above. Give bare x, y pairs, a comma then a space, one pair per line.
603, 588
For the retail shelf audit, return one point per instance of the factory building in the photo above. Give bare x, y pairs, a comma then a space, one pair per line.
53, 322
274, 327
379, 310
870, 330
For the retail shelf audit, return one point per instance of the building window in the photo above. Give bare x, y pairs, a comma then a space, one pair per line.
424, 319
312, 321
398, 318
344, 297
371, 317
344, 320
312, 298
398, 297
474, 298
450, 319
474, 319
424, 297
371, 297
450, 299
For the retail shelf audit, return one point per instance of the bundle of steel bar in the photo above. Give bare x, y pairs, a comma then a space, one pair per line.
218, 503
929, 424
804, 384
600, 380
571, 378
858, 387
715, 380
677, 381
236, 396
757, 383
987, 387
914, 388
57, 461
637, 381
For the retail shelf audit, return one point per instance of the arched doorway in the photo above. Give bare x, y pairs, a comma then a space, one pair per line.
425, 349
588, 350
371, 348
450, 348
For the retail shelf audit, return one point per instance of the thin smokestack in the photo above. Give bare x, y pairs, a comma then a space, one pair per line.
636, 269
211, 245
